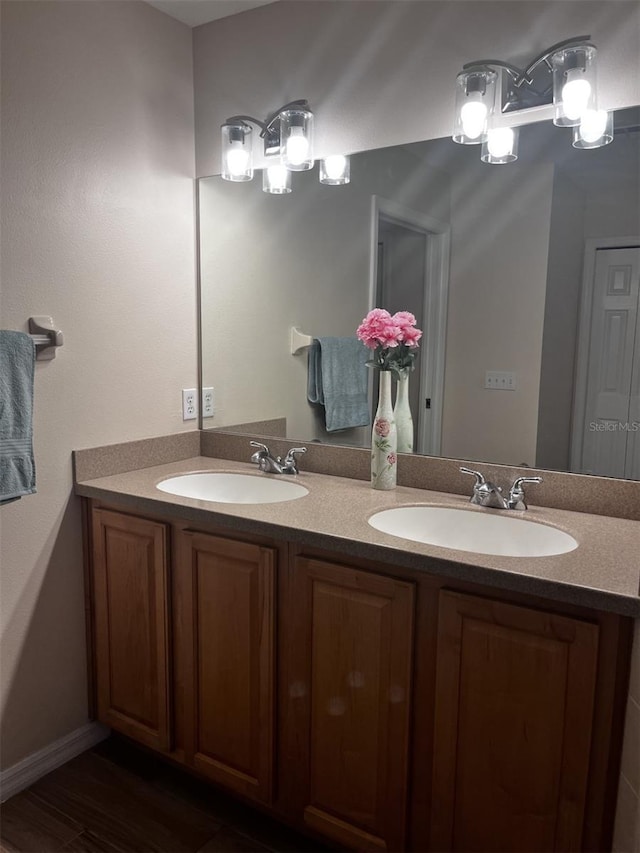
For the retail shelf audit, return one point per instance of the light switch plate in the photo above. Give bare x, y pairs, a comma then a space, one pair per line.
500, 380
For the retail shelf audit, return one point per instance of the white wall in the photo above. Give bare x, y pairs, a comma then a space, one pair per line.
497, 285
97, 230
382, 73
562, 303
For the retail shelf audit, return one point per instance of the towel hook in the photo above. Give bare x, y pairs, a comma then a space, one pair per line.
45, 336
299, 341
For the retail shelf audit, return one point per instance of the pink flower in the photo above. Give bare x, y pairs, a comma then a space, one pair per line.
389, 335
411, 336
391, 459
382, 427
378, 329
404, 319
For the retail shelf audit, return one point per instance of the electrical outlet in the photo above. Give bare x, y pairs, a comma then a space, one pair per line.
500, 380
189, 404
207, 402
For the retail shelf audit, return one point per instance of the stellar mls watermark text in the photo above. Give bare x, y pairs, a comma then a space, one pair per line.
614, 426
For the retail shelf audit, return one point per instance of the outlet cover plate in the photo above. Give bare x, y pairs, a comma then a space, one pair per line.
189, 404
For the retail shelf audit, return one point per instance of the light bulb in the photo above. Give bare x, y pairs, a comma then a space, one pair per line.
473, 115
237, 159
335, 166
500, 142
593, 125
276, 180
575, 94
297, 146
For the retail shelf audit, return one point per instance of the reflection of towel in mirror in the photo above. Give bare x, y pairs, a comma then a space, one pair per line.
338, 380
17, 468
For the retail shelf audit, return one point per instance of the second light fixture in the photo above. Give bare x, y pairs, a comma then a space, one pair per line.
288, 147
288, 141
564, 74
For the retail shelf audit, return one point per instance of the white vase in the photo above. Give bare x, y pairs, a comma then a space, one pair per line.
402, 415
384, 439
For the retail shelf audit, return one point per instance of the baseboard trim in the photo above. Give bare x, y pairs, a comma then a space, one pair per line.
38, 764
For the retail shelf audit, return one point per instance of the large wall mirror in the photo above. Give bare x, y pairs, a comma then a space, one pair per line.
528, 270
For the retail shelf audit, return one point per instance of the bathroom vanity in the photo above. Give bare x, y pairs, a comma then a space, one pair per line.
380, 693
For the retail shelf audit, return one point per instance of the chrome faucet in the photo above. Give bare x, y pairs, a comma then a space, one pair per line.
490, 495
276, 465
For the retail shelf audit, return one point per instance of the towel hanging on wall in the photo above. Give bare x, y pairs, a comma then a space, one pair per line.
17, 465
337, 379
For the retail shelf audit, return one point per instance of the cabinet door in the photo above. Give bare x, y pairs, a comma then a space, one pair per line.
132, 626
514, 708
228, 592
355, 639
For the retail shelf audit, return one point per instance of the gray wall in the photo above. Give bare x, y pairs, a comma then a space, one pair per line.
97, 230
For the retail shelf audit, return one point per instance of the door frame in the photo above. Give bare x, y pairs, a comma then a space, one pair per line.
581, 373
436, 296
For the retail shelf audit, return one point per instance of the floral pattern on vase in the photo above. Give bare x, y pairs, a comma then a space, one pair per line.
402, 414
384, 439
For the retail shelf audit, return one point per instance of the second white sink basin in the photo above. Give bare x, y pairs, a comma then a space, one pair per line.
483, 532
233, 488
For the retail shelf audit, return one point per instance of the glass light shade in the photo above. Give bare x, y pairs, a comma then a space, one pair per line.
475, 100
501, 145
276, 179
296, 139
574, 84
595, 129
237, 153
335, 170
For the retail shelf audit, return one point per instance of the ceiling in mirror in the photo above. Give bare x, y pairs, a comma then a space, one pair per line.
533, 356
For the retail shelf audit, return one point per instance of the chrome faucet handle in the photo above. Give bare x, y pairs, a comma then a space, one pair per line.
259, 454
516, 492
480, 480
485, 493
290, 463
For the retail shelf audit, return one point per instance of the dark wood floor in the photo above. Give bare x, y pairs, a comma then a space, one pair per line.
118, 798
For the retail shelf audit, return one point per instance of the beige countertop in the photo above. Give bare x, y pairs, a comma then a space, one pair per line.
603, 572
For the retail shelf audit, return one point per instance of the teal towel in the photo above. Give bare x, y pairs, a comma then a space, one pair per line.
337, 379
17, 466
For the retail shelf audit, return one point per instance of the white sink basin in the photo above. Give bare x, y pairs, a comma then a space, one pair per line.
232, 488
483, 532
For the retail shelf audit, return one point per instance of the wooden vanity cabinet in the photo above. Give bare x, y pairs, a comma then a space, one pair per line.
514, 702
227, 592
131, 618
347, 686
380, 708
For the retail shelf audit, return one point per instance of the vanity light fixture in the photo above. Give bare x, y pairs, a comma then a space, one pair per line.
287, 132
276, 179
237, 153
475, 99
574, 83
335, 170
501, 145
595, 129
563, 75
296, 138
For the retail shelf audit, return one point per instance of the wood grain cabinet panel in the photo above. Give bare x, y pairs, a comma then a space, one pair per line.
357, 632
227, 589
513, 724
131, 612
